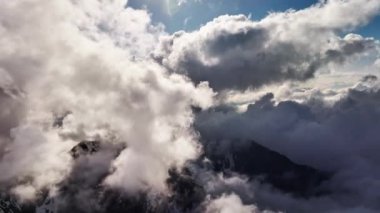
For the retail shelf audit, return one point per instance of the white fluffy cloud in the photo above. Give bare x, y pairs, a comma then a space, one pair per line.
89, 58
230, 204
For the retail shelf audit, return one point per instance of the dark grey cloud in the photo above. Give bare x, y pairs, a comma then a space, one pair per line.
341, 139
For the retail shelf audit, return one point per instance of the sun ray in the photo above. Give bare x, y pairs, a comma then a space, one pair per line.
171, 7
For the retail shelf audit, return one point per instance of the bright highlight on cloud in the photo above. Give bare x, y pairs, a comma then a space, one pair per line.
103, 111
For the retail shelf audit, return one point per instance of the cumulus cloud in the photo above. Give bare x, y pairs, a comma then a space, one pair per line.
233, 52
88, 58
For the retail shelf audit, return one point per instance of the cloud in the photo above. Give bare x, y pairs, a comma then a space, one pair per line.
34, 160
233, 52
340, 138
377, 63
76, 71
89, 58
229, 204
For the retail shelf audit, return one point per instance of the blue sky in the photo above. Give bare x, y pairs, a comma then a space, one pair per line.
190, 15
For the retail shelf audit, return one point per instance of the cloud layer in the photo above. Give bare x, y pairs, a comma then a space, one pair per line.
341, 138
96, 72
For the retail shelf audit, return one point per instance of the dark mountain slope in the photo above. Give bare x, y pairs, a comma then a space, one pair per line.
256, 161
